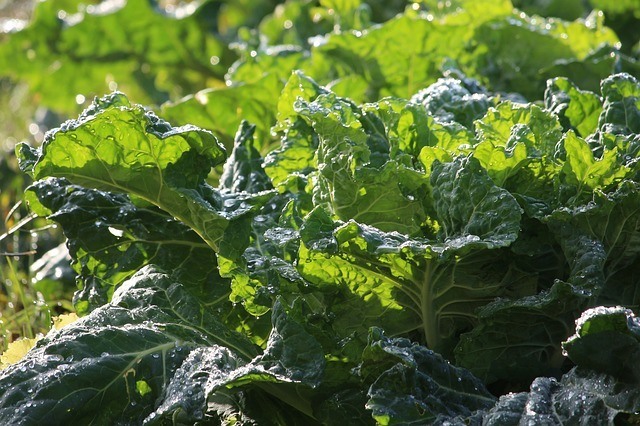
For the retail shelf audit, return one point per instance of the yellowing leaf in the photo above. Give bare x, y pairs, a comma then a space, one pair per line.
16, 351
64, 319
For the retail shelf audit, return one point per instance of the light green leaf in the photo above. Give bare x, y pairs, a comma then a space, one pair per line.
577, 109
99, 49
297, 152
355, 179
510, 123
221, 110
584, 171
114, 146
404, 283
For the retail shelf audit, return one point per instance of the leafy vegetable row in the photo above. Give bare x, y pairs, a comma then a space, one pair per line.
417, 252
484, 245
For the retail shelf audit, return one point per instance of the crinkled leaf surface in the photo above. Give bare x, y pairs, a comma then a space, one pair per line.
453, 100
509, 123
108, 229
470, 207
243, 170
355, 180
114, 146
519, 53
580, 397
577, 109
492, 350
604, 235
291, 356
90, 370
427, 282
621, 109
417, 385
581, 169
297, 151
488, 40
607, 340
465, 219
139, 358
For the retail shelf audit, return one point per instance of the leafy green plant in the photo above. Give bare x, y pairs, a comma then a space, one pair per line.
381, 241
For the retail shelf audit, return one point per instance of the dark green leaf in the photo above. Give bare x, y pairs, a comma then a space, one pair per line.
108, 229
243, 170
620, 112
518, 340
607, 340
417, 385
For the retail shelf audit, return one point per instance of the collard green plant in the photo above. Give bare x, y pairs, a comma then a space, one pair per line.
380, 242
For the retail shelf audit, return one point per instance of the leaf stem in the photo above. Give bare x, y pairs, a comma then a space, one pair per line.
429, 317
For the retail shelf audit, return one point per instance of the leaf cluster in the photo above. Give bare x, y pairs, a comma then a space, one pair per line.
421, 221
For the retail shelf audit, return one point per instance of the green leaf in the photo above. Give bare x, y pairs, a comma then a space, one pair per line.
359, 289
108, 229
489, 41
157, 351
114, 146
581, 396
565, 9
397, 58
621, 109
355, 179
243, 170
577, 109
605, 340
406, 284
297, 151
221, 110
503, 162
417, 385
519, 53
510, 123
518, 147
470, 208
520, 339
266, 271
608, 227
88, 371
52, 273
582, 170
130, 46
295, 22
292, 356
450, 99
